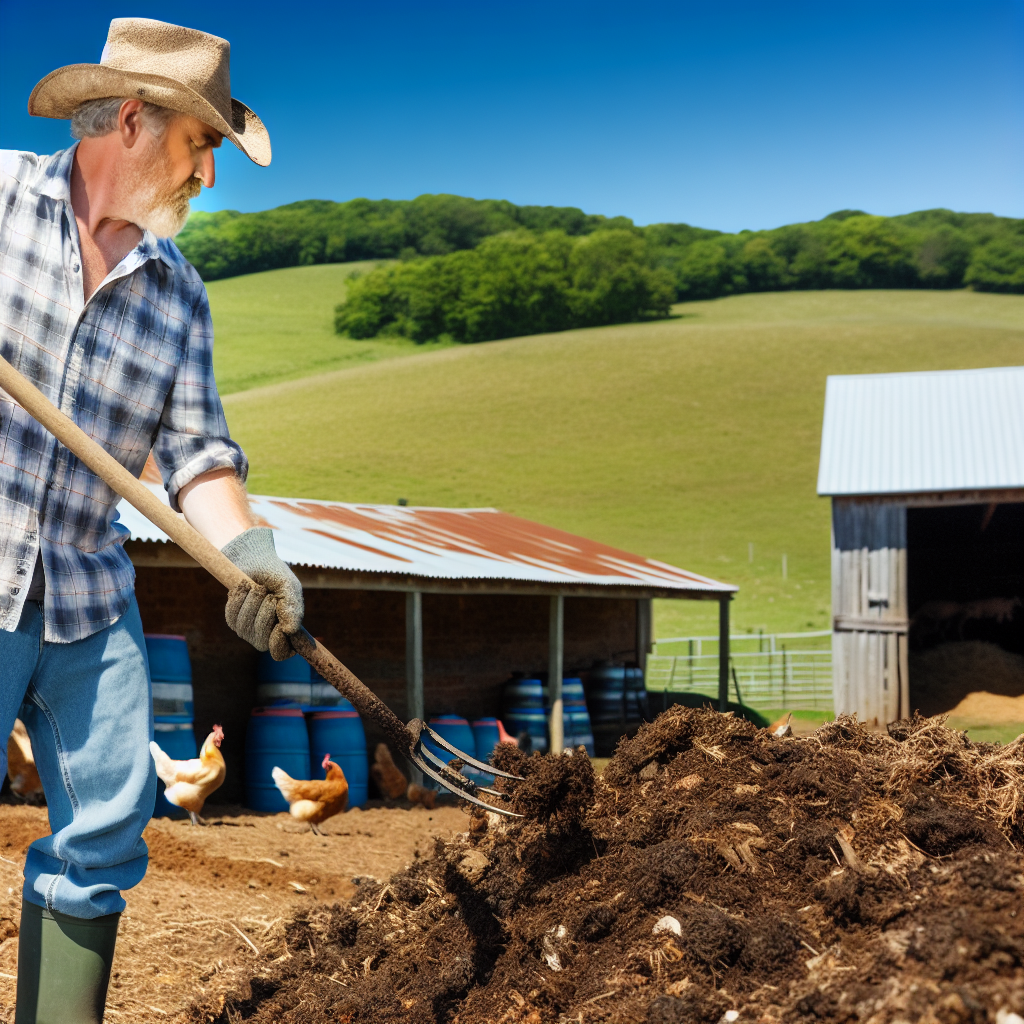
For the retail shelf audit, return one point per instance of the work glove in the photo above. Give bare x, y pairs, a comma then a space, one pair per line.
268, 612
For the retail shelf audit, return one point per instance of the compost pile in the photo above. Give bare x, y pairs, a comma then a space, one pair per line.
713, 873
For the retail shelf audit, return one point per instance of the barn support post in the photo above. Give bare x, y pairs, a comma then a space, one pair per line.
556, 647
414, 663
644, 632
723, 652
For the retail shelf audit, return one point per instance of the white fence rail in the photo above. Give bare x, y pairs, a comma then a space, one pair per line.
779, 671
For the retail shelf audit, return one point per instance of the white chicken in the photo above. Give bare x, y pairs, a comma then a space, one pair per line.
190, 782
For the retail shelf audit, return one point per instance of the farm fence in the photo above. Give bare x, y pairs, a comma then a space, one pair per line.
785, 671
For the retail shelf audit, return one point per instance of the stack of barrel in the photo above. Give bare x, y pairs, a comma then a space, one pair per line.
173, 707
300, 719
617, 698
527, 710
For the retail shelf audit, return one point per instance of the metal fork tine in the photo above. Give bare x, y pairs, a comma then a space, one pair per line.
462, 756
457, 790
457, 778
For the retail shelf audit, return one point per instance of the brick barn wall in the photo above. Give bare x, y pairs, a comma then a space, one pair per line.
471, 645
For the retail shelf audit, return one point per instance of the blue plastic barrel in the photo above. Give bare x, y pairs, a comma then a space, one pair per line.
275, 738
168, 658
606, 694
170, 671
524, 693
582, 731
524, 711
292, 670
635, 695
323, 696
485, 738
283, 682
339, 732
578, 731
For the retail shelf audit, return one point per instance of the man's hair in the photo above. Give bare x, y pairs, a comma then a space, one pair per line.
96, 118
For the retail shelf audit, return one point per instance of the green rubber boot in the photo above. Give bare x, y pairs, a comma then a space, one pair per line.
63, 966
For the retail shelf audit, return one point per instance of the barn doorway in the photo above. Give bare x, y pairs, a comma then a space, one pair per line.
965, 596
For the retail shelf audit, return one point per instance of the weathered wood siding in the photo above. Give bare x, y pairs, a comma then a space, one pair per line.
869, 610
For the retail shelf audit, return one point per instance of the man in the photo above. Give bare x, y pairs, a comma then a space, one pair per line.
102, 312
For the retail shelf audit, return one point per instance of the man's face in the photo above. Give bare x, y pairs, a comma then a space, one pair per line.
168, 171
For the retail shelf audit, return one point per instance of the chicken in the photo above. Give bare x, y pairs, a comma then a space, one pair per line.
386, 773
21, 766
190, 782
421, 795
314, 800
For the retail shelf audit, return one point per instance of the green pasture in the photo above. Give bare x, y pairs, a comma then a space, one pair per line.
684, 440
279, 325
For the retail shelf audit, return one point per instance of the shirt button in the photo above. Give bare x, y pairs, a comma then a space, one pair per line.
75, 268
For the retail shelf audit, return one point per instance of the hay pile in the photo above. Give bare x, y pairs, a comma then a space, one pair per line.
712, 873
944, 679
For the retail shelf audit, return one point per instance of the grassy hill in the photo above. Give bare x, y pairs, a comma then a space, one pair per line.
684, 440
279, 325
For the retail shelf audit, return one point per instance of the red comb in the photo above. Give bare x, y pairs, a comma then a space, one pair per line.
326, 761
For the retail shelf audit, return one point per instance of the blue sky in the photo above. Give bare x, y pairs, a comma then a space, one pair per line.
723, 114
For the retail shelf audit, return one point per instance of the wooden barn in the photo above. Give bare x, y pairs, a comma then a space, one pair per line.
432, 608
926, 476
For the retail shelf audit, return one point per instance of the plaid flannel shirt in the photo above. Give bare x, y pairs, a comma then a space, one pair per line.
133, 368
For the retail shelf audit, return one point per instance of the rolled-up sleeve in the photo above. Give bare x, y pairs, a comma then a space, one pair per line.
193, 435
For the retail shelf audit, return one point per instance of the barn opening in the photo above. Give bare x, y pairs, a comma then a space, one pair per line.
965, 589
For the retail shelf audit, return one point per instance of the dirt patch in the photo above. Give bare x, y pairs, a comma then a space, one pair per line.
210, 892
710, 873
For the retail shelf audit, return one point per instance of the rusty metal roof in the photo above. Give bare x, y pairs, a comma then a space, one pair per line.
440, 543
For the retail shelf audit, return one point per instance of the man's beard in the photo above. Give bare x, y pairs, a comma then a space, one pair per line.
153, 203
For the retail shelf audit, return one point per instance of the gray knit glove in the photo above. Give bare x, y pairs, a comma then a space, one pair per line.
266, 614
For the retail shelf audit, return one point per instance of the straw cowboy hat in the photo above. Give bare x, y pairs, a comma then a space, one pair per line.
180, 68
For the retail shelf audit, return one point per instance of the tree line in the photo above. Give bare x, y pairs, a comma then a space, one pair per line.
229, 243
848, 249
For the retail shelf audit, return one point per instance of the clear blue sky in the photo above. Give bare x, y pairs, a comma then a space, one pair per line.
723, 114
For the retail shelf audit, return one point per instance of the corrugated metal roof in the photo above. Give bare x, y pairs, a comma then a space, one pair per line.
439, 543
905, 433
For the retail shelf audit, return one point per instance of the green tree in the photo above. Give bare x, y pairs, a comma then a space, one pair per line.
762, 267
704, 271
869, 252
613, 280
998, 266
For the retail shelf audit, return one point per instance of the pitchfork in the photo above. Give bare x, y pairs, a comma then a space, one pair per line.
408, 739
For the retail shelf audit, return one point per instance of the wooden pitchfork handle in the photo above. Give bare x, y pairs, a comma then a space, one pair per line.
119, 480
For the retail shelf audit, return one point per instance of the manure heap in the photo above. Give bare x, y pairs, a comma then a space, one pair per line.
712, 873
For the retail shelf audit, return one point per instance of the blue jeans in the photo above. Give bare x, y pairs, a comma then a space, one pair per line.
87, 706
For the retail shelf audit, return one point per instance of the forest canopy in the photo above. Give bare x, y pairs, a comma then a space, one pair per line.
847, 249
